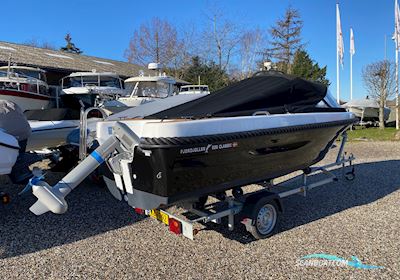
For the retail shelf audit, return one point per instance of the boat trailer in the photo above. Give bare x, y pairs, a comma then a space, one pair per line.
258, 210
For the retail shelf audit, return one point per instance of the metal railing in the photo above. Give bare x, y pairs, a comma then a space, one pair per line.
83, 129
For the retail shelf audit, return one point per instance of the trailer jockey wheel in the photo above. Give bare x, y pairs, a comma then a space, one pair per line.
350, 175
264, 219
237, 192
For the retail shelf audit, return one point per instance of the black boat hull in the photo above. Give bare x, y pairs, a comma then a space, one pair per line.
169, 170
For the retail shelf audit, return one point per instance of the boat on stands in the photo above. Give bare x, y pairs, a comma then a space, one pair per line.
25, 86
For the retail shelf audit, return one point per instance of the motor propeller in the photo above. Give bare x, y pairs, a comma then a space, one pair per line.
53, 198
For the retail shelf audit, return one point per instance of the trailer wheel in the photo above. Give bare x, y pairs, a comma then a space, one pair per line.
264, 219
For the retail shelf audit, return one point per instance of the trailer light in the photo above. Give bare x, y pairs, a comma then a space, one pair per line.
175, 226
5, 198
139, 211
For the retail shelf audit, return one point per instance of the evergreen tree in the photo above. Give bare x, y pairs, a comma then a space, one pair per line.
209, 73
70, 47
303, 66
285, 40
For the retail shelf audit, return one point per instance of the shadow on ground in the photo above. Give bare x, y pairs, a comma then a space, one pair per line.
92, 210
373, 181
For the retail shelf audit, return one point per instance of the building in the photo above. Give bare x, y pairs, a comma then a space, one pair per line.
59, 64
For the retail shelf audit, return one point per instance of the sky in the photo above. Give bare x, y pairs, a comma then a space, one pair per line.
103, 28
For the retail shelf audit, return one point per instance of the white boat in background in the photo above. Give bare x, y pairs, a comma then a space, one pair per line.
155, 107
49, 134
9, 150
144, 89
90, 88
194, 89
52, 134
366, 110
25, 86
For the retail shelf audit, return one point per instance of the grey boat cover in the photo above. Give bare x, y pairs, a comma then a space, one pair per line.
270, 91
13, 120
362, 103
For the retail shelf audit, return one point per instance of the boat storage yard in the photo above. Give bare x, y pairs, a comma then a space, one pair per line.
109, 170
201, 183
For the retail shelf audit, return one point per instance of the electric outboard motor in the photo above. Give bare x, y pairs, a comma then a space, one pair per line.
14, 122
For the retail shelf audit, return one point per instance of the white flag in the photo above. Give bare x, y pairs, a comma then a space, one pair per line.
352, 48
339, 36
396, 35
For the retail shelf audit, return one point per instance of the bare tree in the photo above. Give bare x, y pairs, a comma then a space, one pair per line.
250, 50
222, 37
187, 49
155, 41
43, 45
285, 39
379, 81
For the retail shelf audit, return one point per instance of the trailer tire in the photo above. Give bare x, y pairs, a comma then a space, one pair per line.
264, 219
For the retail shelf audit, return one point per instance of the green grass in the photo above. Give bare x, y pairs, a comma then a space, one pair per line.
372, 134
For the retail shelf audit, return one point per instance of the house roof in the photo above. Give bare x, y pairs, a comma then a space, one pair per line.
63, 61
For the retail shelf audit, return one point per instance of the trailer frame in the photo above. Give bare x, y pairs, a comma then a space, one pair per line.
244, 204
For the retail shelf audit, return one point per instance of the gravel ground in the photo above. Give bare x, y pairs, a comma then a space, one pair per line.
100, 237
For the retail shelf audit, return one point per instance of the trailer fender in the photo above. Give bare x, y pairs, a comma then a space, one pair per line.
252, 199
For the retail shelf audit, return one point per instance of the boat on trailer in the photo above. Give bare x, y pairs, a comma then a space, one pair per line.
366, 110
253, 131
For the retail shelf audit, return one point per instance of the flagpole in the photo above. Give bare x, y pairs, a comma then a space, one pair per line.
397, 39
351, 75
397, 89
337, 58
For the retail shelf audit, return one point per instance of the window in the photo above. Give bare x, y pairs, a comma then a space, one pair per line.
29, 73
109, 82
90, 80
72, 82
151, 89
